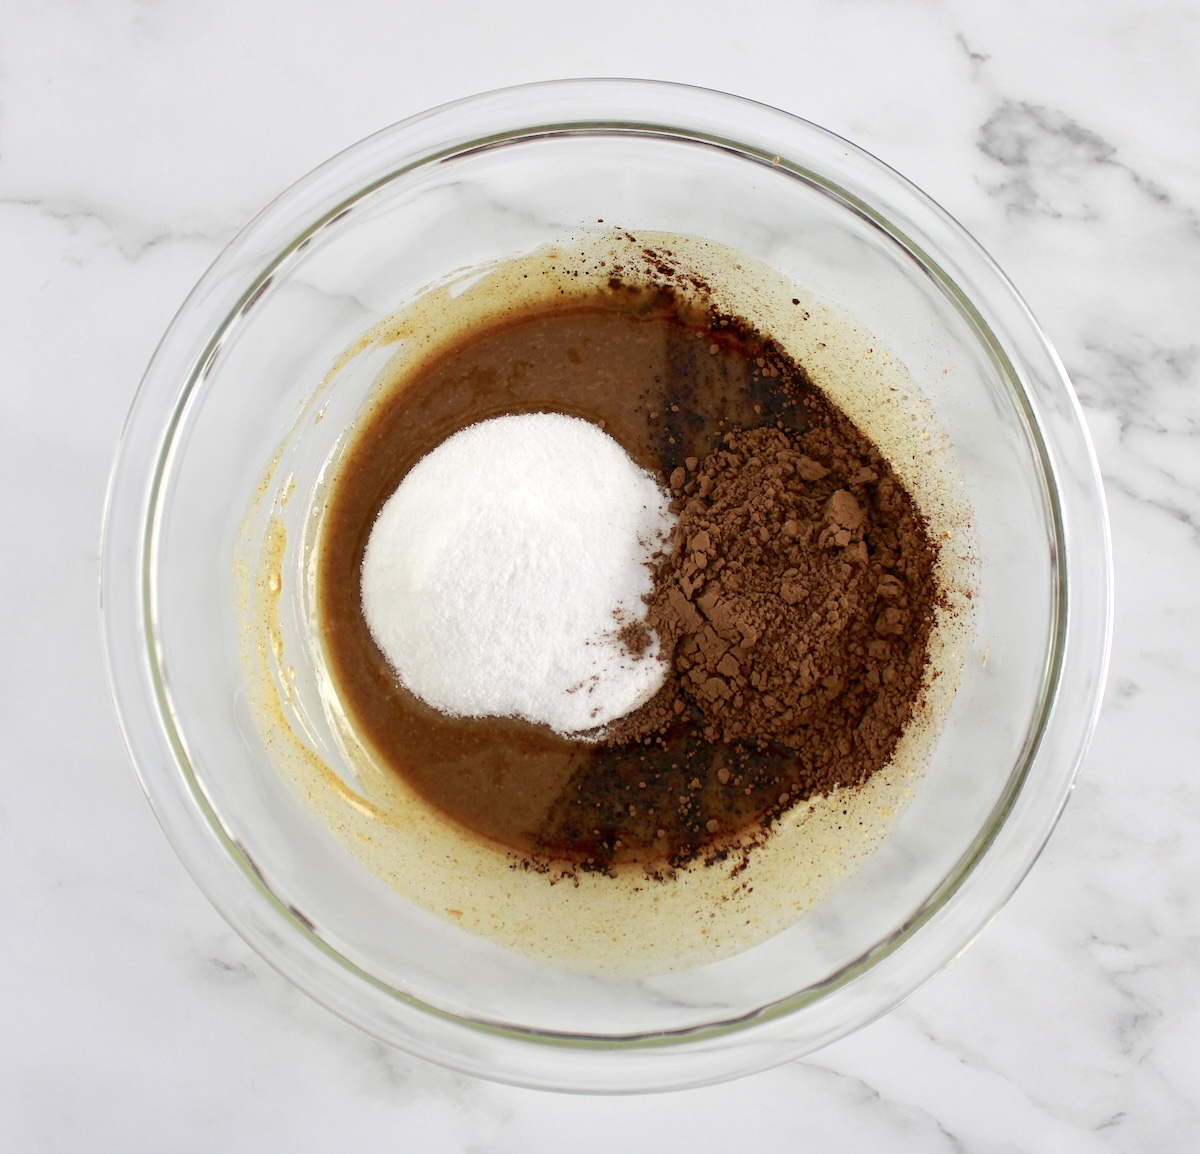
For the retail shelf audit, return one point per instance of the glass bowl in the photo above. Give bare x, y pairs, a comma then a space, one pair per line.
241, 408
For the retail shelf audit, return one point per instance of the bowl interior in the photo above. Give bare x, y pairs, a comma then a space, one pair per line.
462, 213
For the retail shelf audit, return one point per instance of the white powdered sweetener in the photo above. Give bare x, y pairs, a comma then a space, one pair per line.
498, 575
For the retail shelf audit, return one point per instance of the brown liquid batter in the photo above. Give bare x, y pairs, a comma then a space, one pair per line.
667, 380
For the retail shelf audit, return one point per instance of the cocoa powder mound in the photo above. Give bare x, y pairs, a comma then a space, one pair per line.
794, 609
796, 603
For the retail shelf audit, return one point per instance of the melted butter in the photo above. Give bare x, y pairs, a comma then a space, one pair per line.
629, 923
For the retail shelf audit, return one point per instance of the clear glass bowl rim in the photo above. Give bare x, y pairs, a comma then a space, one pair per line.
1003, 852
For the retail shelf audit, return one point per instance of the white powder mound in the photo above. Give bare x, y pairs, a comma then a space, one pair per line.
499, 573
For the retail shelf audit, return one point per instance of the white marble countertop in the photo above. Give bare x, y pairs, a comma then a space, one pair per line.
137, 136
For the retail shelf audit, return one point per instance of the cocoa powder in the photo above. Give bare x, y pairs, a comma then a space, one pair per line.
796, 602
794, 608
